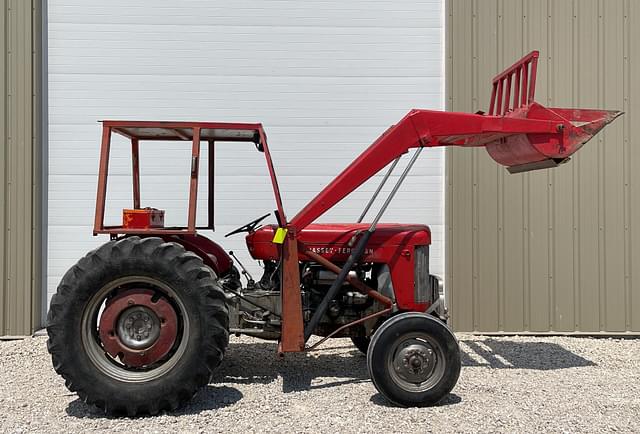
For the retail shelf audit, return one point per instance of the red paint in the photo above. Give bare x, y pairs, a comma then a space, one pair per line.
109, 320
192, 133
391, 244
193, 181
142, 218
212, 254
292, 339
528, 134
525, 69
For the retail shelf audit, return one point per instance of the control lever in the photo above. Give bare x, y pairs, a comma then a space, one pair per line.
245, 273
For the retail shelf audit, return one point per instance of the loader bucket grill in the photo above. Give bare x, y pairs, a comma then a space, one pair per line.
521, 76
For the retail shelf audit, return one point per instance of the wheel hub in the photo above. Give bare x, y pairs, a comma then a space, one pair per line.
415, 361
139, 327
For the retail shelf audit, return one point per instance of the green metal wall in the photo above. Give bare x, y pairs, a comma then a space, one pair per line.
554, 250
20, 167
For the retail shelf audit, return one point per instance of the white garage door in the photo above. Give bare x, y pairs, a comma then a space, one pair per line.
324, 77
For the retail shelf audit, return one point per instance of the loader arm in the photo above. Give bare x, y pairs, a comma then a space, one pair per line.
526, 139
518, 133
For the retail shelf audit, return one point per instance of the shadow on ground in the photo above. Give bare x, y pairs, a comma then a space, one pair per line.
505, 354
208, 398
450, 399
248, 363
258, 363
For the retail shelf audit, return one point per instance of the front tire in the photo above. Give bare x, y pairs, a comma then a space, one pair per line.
137, 326
414, 359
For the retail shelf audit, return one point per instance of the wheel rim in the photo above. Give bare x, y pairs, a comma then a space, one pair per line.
139, 326
416, 362
135, 329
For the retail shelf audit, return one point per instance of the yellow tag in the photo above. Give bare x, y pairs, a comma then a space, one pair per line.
281, 233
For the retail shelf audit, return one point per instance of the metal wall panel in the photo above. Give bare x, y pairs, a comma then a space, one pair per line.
551, 251
325, 78
20, 286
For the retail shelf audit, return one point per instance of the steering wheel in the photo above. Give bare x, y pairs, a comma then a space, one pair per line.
249, 227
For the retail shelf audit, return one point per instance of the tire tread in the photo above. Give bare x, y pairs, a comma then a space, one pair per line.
204, 289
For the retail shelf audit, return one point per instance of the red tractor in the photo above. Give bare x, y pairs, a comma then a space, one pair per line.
143, 321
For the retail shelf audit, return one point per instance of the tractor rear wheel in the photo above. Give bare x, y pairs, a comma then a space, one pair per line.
414, 359
137, 326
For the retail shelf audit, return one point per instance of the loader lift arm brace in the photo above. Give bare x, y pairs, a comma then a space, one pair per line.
518, 133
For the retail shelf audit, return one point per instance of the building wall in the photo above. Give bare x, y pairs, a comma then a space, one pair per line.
325, 79
20, 167
555, 250
548, 251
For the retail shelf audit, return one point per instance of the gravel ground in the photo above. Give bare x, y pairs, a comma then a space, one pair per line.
509, 384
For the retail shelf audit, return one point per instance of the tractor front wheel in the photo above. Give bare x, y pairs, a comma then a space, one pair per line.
414, 359
137, 326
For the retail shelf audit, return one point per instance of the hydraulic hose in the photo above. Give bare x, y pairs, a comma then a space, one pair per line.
354, 257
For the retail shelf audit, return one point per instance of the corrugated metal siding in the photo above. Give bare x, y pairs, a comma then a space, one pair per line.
20, 287
326, 78
553, 250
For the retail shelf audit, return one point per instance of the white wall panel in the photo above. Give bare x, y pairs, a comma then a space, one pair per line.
324, 77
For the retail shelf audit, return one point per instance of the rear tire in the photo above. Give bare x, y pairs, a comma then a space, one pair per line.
121, 273
414, 359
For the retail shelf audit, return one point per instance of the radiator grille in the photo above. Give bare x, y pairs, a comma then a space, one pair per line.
422, 283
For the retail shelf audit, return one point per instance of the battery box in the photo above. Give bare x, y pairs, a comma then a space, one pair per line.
143, 218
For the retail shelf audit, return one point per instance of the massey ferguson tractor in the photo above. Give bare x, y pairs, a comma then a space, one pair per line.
143, 321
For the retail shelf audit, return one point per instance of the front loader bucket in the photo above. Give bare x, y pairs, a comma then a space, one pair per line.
512, 96
525, 152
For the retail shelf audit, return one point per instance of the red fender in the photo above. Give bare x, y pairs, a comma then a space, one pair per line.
212, 254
